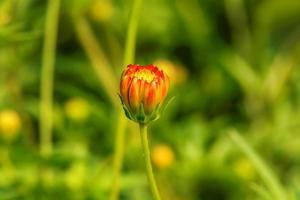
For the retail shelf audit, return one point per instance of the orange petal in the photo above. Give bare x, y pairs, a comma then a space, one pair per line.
151, 98
145, 92
124, 87
142, 90
134, 96
165, 87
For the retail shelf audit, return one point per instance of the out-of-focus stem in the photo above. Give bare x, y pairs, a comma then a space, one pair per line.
6, 161
129, 55
97, 57
265, 172
149, 171
237, 17
279, 72
106, 77
48, 62
118, 156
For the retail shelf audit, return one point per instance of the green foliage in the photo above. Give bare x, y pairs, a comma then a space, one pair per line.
234, 65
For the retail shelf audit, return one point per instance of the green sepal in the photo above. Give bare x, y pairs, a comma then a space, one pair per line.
159, 110
126, 110
127, 113
141, 116
163, 108
155, 114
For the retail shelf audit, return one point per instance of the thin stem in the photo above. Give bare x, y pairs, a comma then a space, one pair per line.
265, 172
237, 18
149, 172
97, 57
106, 77
131, 33
46, 90
118, 156
6, 161
129, 56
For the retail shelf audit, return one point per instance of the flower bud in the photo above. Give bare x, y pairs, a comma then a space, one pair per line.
142, 92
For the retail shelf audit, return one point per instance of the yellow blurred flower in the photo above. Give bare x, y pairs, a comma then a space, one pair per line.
75, 176
101, 10
244, 168
5, 16
162, 156
10, 124
77, 109
177, 73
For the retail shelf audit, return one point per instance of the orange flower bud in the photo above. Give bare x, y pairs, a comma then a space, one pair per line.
142, 92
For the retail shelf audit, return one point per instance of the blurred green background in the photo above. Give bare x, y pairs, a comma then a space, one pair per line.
234, 69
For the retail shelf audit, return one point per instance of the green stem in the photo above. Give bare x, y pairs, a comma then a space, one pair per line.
118, 156
129, 55
106, 77
48, 61
131, 33
102, 68
265, 172
237, 18
149, 172
97, 57
7, 162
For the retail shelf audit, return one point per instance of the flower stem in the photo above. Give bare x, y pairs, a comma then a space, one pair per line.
129, 56
129, 53
265, 172
118, 156
149, 172
48, 62
97, 57
6, 161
